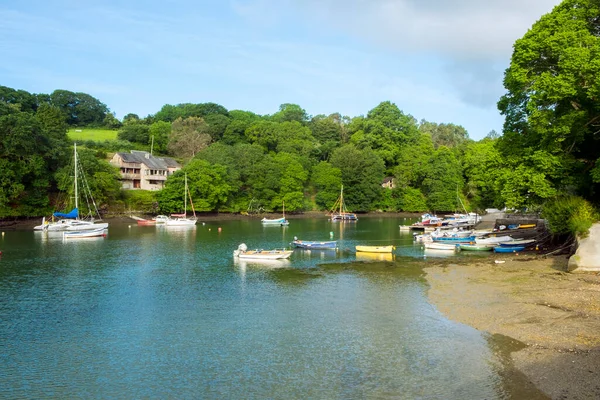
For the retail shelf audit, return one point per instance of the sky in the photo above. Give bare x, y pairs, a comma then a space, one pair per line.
438, 60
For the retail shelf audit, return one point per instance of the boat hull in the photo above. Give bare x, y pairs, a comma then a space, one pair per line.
304, 244
375, 249
264, 254
475, 247
511, 249
84, 234
441, 246
278, 221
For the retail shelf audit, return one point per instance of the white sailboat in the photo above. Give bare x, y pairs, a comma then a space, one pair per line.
183, 219
71, 221
277, 221
339, 212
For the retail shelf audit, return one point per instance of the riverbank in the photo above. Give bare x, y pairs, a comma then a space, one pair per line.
29, 223
533, 300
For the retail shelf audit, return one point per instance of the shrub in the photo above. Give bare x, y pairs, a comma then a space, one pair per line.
569, 215
142, 201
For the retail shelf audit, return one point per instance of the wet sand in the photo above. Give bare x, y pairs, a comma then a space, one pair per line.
531, 299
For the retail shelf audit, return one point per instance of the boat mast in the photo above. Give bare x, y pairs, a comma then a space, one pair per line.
341, 198
283, 209
76, 194
185, 198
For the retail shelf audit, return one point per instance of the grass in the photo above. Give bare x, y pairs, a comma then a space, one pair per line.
97, 135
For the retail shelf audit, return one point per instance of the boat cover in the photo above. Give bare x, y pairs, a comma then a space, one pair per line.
73, 214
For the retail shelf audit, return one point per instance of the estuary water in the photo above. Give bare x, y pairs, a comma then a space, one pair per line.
157, 312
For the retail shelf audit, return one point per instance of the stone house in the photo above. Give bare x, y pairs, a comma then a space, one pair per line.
389, 183
141, 170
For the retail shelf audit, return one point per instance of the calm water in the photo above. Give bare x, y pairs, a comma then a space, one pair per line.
154, 312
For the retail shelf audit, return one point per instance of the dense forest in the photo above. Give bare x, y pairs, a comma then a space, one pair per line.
547, 156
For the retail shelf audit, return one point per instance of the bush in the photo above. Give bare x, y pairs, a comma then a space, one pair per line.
141, 201
569, 215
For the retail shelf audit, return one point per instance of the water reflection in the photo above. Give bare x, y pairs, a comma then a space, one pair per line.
362, 256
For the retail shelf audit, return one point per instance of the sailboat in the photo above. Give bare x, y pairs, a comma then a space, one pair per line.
339, 212
183, 219
71, 221
277, 221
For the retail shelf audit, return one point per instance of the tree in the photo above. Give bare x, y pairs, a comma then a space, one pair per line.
448, 135
135, 132
111, 122
79, 108
207, 184
551, 103
362, 174
386, 130
413, 161
290, 112
160, 131
327, 181
188, 137
443, 181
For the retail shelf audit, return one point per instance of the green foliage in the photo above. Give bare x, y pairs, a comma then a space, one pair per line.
141, 201
135, 132
413, 161
410, 200
482, 164
207, 185
290, 112
448, 135
327, 180
569, 215
79, 109
160, 131
170, 113
188, 137
386, 130
443, 180
362, 174
552, 99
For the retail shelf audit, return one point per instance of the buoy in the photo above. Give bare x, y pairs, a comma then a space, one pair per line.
203, 224
219, 229
209, 229
129, 226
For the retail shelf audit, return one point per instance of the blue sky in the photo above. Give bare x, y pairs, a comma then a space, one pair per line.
438, 60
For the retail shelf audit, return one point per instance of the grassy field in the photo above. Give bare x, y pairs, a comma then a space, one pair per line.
97, 135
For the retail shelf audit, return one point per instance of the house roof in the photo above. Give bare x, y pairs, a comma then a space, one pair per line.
143, 157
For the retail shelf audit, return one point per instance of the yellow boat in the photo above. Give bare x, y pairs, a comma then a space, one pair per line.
375, 249
525, 226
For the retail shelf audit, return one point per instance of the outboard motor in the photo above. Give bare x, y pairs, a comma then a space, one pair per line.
241, 249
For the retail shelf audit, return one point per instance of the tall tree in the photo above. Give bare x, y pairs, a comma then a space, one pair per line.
551, 104
188, 136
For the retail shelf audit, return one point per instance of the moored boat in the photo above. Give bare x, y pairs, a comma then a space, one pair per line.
339, 212
100, 232
508, 249
518, 242
475, 247
375, 249
467, 239
441, 246
314, 245
242, 252
183, 219
72, 221
493, 240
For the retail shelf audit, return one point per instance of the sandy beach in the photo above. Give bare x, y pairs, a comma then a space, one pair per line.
530, 298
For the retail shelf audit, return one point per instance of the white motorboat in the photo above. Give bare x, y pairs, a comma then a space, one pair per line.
242, 252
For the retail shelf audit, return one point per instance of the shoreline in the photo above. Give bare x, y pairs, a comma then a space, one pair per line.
532, 299
30, 222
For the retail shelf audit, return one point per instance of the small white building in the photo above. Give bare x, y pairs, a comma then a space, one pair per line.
141, 170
